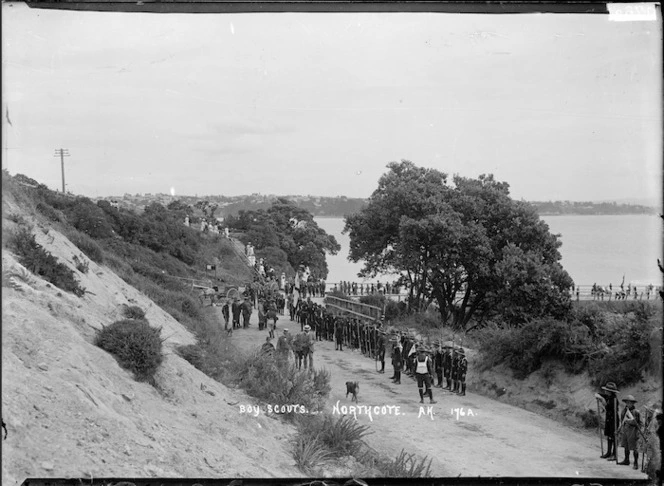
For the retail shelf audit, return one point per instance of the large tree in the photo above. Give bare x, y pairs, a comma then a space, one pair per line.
466, 245
293, 230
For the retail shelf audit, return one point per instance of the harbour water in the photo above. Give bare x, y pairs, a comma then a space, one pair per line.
595, 249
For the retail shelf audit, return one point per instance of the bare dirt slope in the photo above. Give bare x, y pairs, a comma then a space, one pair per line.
496, 440
71, 411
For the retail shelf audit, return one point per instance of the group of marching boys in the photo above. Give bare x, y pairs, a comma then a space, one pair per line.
428, 363
441, 361
627, 428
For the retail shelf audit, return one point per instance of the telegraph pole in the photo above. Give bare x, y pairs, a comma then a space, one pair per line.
62, 153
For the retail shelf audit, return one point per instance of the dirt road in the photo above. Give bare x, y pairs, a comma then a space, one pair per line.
491, 439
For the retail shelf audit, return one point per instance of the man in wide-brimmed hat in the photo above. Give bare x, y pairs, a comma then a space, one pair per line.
609, 401
462, 368
630, 424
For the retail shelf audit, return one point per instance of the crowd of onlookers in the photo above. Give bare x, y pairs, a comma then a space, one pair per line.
599, 292
370, 288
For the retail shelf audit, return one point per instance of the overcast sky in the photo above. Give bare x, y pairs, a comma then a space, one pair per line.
559, 106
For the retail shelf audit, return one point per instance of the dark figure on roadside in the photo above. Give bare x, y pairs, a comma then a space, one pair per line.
309, 350
630, 425
225, 311
424, 374
236, 309
447, 367
438, 363
247, 308
300, 345
381, 351
283, 348
397, 362
455, 370
462, 368
291, 307
272, 312
339, 336
609, 401
262, 315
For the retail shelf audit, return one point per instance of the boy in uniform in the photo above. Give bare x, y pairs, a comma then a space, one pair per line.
424, 373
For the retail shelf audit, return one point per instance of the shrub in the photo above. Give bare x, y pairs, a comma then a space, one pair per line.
190, 307
133, 312
377, 300
40, 262
136, 346
18, 219
87, 245
395, 310
81, 264
50, 213
589, 419
88, 218
405, 466
194, 354
309, 453
341, 436
549, 404
260, 376
625, 361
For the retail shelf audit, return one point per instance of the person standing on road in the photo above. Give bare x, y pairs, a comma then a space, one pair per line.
609, 402
247, 308
225, 311
397, 361
462, 367
630, 425
309, 350
338, 335
438, 363
454, 370
424, 373
236, 310
447, 367
283, 349
381, 350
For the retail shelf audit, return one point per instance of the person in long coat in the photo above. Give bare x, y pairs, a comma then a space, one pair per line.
397, 362
630, 424
609, 401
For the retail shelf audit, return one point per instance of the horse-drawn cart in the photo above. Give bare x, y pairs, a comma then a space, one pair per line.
217, 293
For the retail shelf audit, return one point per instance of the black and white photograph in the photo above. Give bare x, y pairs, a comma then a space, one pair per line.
335, 241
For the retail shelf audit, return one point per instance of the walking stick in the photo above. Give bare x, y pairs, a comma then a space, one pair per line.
599, 426
615, 429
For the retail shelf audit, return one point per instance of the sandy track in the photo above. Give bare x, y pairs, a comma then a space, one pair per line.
496, 440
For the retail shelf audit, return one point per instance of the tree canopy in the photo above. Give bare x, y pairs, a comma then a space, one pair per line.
292, 231
466, 245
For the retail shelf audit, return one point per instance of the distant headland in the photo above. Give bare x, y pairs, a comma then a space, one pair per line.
341, 206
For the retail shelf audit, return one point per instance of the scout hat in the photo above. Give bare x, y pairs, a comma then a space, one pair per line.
461, 351
610, 386
629, 398
307, 327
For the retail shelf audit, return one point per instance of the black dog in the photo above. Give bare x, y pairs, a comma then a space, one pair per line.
352, 387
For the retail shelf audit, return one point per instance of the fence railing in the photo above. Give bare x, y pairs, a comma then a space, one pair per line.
353, 307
